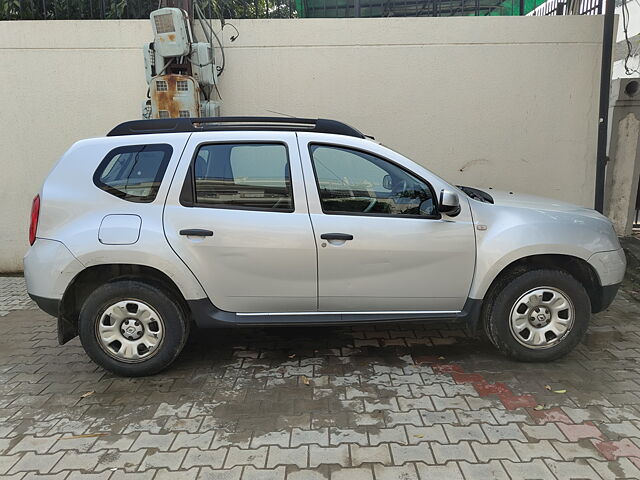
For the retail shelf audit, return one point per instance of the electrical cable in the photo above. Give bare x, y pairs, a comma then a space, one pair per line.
212, 34
625, 27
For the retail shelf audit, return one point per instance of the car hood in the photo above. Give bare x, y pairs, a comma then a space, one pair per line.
534, 202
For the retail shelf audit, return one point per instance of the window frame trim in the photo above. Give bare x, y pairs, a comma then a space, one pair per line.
166, 148
437, 216
191, 175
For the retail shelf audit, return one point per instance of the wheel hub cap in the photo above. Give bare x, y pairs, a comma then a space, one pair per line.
542, 317
130, 331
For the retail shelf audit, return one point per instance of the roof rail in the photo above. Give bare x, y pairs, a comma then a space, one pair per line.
174, 125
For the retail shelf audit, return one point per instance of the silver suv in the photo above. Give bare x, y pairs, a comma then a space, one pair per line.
249, 221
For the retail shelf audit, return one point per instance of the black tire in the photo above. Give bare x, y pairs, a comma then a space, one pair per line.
175, 326
506, 292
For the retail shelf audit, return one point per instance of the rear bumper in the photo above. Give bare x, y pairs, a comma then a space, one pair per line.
49, 267
47, 305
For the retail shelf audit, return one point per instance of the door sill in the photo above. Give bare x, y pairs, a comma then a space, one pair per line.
206, 315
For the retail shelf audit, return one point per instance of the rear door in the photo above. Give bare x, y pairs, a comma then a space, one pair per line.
237, 215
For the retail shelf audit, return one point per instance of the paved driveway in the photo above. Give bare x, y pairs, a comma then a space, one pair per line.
394, 402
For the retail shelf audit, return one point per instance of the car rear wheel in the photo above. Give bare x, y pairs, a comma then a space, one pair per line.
132, 328
537, 315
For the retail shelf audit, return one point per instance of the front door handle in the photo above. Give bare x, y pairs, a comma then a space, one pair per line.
336, 236
196, 232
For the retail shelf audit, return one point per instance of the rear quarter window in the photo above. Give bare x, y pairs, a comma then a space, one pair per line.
133, 172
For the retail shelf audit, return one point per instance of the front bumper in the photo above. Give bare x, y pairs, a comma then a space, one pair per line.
605, 299
610, 266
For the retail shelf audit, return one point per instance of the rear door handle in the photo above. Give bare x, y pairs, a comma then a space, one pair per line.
336, 236
196, 232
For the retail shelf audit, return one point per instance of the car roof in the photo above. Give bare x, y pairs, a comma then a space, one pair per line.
175, 125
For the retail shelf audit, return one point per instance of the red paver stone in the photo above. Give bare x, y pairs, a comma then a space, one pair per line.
585, 430
511, 402
484, 389
553, 415
618, 448
468, 377
447, 368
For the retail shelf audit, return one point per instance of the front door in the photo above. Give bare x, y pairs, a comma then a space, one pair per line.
382, 245
237, 216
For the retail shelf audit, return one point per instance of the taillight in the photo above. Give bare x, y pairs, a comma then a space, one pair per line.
35, 213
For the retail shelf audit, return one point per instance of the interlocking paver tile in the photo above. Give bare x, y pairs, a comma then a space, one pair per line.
31, 443
164, 474
211, 458
535, 469
208, 473
361, 473
411, 453
288, 456
466, 417
75, 475
329, 455
170, 460
252, 473
426, 434
192, 440
338, 436
151, 440
548, 431
572, 470
253, 456
379, 454
483, 471
412, 417
7, 461
577, 432
615, 469
618, 448
387, 435
542, 449
496, 433
432, 418
319, 437
494, 451
571, 451
445, 452
450, 471
405, 472
115, 459
469, 432
34, 462
72, 460
580, 415
306, 475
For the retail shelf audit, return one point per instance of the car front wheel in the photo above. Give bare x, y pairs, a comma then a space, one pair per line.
538, 315
132, 328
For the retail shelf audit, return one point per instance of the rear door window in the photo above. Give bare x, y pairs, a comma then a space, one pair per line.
247, 176
134, 172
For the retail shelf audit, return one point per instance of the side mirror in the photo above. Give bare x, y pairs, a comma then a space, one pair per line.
387, 182
449, 203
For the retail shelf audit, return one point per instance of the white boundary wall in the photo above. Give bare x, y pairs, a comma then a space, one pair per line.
506, 102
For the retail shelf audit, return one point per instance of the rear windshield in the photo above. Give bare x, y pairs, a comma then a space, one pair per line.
134, 172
